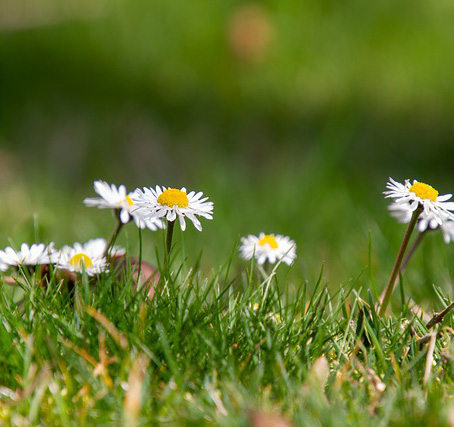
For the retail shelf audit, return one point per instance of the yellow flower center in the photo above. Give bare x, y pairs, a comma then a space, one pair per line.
129, 201
80, 260
173, 197
424, 191
268, 240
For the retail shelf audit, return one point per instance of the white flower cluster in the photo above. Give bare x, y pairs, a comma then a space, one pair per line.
147, 208
152, 205
436, 213
89, 257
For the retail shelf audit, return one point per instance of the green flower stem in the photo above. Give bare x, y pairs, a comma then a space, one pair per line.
265, 269
114, 236
412, 250
396, 269
140, 257
170, 226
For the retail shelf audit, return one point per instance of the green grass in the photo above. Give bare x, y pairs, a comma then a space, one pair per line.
200, 353
220, 343
299, 142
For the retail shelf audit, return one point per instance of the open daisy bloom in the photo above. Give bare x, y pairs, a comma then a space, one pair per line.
411, 196
268, 247
88, 257
117, 198
420, 205
170, 203
403, 214
36, 254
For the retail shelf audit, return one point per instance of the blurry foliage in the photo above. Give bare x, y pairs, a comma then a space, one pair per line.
289, 115
98, 86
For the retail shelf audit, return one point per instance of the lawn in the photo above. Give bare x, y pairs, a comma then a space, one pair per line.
223, 341
290, 117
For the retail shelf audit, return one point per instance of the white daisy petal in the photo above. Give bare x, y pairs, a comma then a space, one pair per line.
444, 197
447, 228
182, 222
124, 216
413, 205
171, 215
422, 225
261, 259
197, 224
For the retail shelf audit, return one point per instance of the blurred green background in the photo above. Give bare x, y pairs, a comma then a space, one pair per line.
289, 115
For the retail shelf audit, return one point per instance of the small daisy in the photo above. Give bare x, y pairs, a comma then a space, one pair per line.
36, 254
403, 214
117, 198
170, 203
99, 246
88, 257
268, 247
419, 194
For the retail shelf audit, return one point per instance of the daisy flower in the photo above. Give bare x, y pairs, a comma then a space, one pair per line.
403, 214
88, 257
170, 203
410, 196
36, 254
431, 209
268, 247
117, 198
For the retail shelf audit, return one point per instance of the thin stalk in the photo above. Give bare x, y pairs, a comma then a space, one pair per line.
396, 269
271, 274
267, 266
140, 257
114, 236
265, 269
412, 250
170, 227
